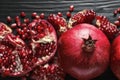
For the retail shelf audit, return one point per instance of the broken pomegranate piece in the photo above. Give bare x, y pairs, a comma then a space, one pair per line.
84, 16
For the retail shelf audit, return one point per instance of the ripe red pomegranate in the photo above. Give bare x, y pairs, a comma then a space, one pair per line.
84, 51
26, 45
115, 57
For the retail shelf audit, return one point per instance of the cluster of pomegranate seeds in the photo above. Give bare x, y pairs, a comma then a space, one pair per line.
107, 27
59, 23
117, 22
85, 16
50, 71
40, 43
71, 9
116, 11
14, 56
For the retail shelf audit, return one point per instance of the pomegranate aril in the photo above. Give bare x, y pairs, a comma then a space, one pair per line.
59, 14
71, 8
9, 19
22, 14
117, 23
13, 25
118, 18
42, 15
17, 20
33, 15
23, 25
68, 14
115, 13
26, 20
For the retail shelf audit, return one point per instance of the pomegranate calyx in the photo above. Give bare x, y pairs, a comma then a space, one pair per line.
89, 44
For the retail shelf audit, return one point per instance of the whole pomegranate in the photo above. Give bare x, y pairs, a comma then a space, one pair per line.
115, 57
84, 51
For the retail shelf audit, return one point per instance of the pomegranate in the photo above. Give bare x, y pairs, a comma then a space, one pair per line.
84, 51
26, 45
115, 57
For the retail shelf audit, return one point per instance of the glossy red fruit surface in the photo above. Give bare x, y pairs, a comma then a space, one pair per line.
84, 51
115, 57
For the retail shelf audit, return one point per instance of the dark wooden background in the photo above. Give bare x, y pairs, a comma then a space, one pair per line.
102, 7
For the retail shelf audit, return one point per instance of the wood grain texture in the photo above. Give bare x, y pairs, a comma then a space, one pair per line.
102, 7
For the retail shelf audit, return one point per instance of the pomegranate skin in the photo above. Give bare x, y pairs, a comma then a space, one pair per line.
78, 63
115, 57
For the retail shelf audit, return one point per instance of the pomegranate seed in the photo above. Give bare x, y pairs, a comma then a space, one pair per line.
17, 20
22, 14
9, 19
18, 30
25, 29
71, 8
14, 25
34, 15
27, 20
37, 17
23, 25
118, 10
59, 14
42, 15
118, 18
68, 14
115, 12
117, 23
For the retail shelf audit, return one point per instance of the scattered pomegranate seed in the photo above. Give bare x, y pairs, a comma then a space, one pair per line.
9, 19
42, 15
115, 12
71, 8
14, 25
118, 18
23, 25
34, 14
27, 20
118, 10
59, 14
68, 14
22, 14
117, 23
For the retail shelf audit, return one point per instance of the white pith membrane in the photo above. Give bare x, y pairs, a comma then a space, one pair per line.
4, 29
